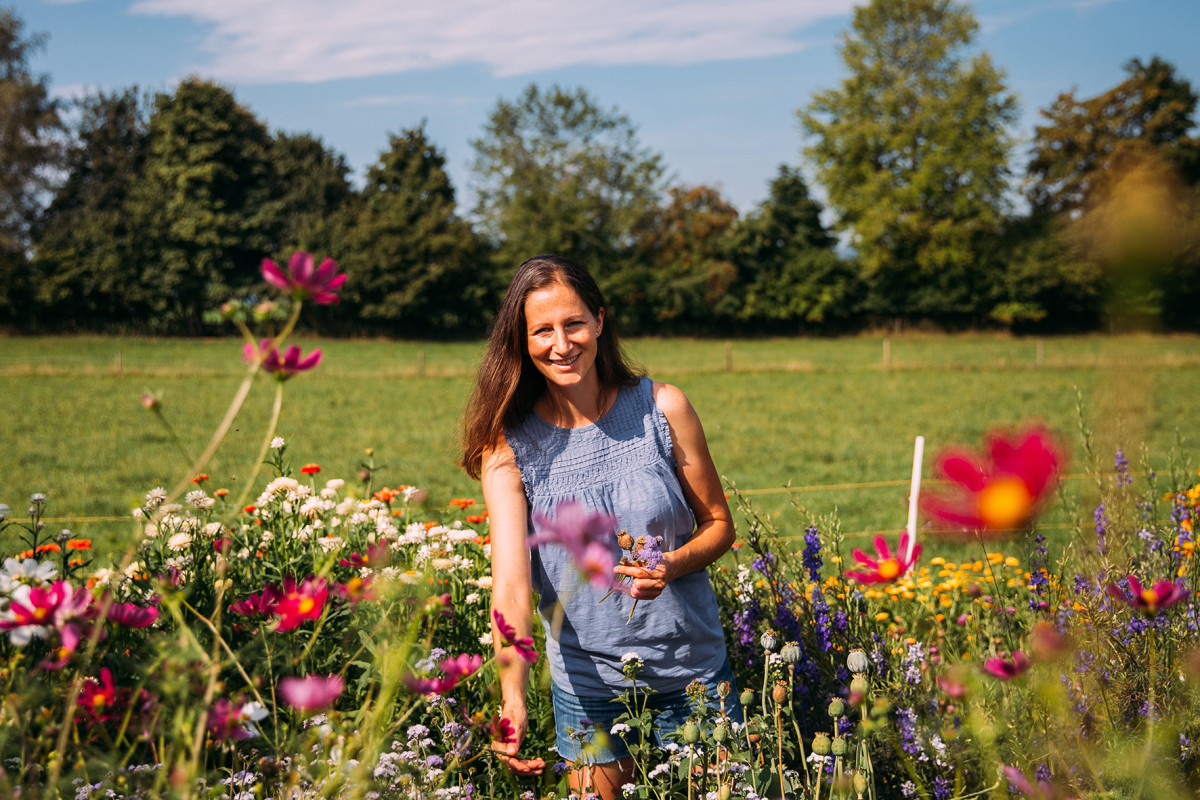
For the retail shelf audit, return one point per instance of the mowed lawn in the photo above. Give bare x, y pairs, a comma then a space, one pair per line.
828, 418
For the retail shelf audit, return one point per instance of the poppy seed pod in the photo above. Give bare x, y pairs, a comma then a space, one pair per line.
837, 707
859, 782
625, 540
768, 640
747, 698
859, 685
857, 662
725, 792
838, 746
821, 744
691, 733
790, 653
779, 692
720, 732
723, 689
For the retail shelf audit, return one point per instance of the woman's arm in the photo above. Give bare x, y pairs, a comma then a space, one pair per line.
702, 489
504, 496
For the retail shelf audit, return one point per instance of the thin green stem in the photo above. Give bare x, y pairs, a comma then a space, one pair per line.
276, 408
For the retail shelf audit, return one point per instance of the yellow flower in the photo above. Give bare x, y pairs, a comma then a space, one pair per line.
937, 561
1011, 562
881, 616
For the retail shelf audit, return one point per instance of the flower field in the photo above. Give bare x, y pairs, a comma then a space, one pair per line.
307, 632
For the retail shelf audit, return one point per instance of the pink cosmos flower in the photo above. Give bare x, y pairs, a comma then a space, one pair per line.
259, 605
508, 635
229, 720
462, 666
999, 491
502, 730
311, 693
98, 699
132, 616
440, 684
300, 602
886, 567
1162, 596
1005, 669
292, 362
587, 536
300, 279
33, 615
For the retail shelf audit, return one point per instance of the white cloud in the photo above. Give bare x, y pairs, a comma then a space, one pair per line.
268, 41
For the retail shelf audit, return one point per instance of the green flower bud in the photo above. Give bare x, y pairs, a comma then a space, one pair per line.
837, 707
691, 733
838, 747
860, 782
821, 744
859, 685
720, 732
747, 698
857, 661
790, 653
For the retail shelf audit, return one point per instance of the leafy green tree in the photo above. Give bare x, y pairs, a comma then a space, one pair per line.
415, 267
556, 173
1085, 144
29, 156
90, 255
789, 277
312, 191
685, 246
912, 151
206, 200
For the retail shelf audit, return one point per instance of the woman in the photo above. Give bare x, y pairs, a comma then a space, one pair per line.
558, 414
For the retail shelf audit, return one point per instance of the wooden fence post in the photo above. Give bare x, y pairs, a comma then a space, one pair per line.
887, 353
117, 363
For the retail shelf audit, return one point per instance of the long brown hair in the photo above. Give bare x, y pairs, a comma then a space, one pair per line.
508, 384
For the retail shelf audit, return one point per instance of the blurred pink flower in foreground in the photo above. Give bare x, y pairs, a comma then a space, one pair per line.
229, 720
508, 635
302, 281
1162, 596
131, 615
1043, 790
999, 490
311, 693
587, 535
886, 567
266, 355
1006, 669
261, 604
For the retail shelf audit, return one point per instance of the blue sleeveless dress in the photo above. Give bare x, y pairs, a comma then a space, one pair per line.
623, 464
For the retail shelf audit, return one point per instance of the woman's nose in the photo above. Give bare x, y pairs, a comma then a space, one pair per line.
560, 340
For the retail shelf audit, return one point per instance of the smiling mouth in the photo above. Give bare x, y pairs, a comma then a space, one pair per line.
564, 362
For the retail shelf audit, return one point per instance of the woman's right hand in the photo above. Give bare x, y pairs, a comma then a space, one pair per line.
506, 753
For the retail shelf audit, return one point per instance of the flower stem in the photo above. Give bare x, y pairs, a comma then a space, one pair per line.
266, 446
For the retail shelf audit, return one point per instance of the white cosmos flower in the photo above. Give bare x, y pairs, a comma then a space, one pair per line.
25, 572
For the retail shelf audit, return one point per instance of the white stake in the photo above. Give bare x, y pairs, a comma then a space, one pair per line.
914, 495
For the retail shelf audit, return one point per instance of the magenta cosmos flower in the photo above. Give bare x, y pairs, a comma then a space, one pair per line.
302, 281
293, 361
132, 616
1007, 669
1149, 601
300, 602
886, 567
311, 693
508, 635
587, 536
1001, 489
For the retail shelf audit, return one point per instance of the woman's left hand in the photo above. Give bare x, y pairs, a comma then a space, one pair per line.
647, 583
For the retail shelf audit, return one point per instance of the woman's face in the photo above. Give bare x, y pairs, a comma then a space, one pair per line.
560, 335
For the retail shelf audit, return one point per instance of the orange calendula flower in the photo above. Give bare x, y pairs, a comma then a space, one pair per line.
250, 509
476, 519
1001, 489
310, 469
462, 502
220, 492
385, 495
79, 544
201, 478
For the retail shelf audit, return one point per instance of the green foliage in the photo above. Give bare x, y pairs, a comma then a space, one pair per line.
789, 277
912, 150
29, 155
312, 190
557, 173
415, 266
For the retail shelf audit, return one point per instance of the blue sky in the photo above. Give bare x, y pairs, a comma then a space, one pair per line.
712, 85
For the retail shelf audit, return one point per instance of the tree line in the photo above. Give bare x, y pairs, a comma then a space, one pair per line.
146, 211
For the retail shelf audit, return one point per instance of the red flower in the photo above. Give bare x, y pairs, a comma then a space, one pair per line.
79, 544
310, 469
1005, 669
302, 281
1002, 490
1149, 601
502, 730
508, 635
887, 567
300, 602
98, 699
377, 555
201, 478
311, 693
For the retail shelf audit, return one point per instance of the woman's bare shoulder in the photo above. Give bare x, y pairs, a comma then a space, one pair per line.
671, 401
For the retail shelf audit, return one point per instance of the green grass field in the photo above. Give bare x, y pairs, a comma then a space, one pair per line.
812, 413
